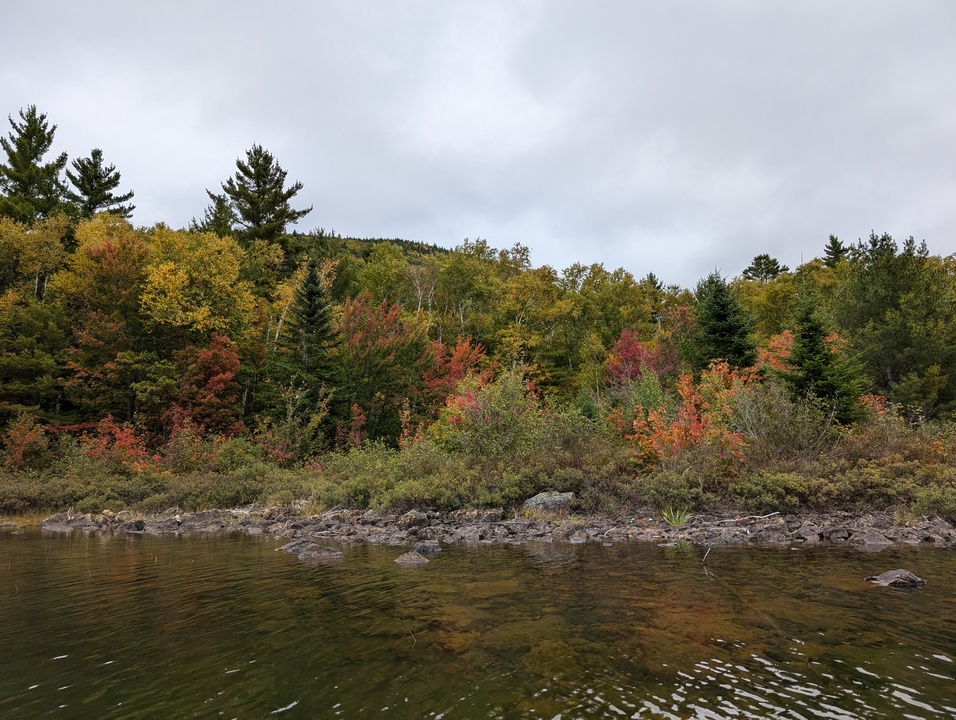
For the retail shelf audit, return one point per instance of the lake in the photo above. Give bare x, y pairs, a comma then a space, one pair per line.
95, 626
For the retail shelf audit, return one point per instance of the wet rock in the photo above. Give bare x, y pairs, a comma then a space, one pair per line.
411, 558
427, 546
806, 534
897, 578
870, 540
309, 551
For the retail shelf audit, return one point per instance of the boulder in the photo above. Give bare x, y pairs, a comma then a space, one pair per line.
550, 502
411, 558
309, 551
897, 578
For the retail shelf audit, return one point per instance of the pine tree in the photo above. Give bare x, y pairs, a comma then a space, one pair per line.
723, 329
32, 189
219, 217
259, 198
94, 183
763, 267
834, 252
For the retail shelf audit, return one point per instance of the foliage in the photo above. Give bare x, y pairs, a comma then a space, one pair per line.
763, 268
675, 515
25, 443
31, 189
94, 184
724, 330
258, 197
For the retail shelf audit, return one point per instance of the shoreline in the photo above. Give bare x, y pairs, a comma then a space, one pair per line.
864, 530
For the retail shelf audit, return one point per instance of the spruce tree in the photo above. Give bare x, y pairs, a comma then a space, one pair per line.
301, 369
820, 372
31, 188
259, 198
95, 183
723, 328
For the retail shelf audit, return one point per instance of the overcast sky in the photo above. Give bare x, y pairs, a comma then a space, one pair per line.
670, 137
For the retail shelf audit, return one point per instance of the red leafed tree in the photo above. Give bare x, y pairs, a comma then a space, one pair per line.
208, 393
451, 367
384, 359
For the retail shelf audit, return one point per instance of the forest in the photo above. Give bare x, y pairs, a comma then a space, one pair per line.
238, 360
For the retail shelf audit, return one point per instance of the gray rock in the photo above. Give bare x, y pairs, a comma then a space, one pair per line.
309, 551
550, 502
897, 578
412, 519
427, 546
411, 558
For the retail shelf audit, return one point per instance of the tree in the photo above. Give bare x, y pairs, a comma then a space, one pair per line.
259, 198
32, 189
897, 306
724, 330
820, 369
219, 217
834, 252
94, 183
763, 267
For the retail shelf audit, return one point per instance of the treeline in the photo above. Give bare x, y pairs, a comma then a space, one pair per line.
394, 373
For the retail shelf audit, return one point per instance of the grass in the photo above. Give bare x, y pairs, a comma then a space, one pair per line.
676, 516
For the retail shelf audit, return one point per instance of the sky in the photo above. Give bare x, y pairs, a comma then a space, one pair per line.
672, 137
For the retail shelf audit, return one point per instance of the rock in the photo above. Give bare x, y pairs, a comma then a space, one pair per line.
897, 578
412, 519
870, 540
309, 551
427, 546
550, 502
411, 558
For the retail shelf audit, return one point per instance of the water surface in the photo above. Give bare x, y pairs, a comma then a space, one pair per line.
94, 626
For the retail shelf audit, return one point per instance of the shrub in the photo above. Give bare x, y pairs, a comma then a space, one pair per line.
26, 444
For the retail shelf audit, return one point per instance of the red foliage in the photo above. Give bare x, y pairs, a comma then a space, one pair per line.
698, 423
25, 442
450, 368
208, 392
117, 445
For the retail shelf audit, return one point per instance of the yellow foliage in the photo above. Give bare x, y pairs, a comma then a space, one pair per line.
192, 281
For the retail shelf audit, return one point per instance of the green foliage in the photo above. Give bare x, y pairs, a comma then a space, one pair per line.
95, 183
259, 198
676, 516
724, 330
897, 306
822, 371
31, 189
764, 268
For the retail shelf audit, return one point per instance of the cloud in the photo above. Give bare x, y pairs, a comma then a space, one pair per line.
666, 137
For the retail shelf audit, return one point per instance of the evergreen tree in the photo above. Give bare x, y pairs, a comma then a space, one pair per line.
94, 183
834, 252
31, 188
821, 372
259, 198
723, 329
312, 332
219, 217
763, 267
301, 368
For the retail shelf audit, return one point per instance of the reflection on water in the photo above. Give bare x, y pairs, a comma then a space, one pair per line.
102, 627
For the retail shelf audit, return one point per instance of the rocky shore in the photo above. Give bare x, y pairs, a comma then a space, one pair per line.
430, 530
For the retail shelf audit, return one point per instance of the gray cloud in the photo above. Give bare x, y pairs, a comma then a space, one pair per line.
668, 137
